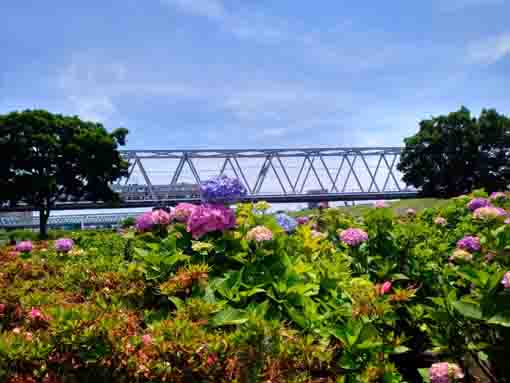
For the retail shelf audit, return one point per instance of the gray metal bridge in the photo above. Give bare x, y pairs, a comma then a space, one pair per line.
167, 177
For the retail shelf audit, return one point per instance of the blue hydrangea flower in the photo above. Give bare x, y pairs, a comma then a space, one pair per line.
286, 222
222, 189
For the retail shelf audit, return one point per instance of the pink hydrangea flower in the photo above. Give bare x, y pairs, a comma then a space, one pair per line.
411, 212
161, 217
385, 288
147, 339
63, 245
16, 330
183, 210
302, 220
506, 280
440, 221
380, 204
24, 247
35, 314
28, 336
259, 234
353, 237
489, 212
208, 218
445, 372
2, 308
144, 222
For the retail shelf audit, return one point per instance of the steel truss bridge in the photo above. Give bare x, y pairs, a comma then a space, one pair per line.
167, 177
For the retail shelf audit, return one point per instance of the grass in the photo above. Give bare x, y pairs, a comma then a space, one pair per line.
398, 206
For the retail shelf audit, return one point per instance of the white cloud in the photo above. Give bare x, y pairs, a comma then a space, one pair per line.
490, 50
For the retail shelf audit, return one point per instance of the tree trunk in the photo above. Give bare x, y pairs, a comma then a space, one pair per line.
43, 223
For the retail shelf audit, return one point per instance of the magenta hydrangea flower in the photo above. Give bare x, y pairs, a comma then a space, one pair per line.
144, 222
24, 247
222, 189
147, 339
161, 217
63, 245
506, 280
302, 220
353, 237
469, 243
498, 196
259, 234
440, 221
208, 218
477, 203
445, 372
35, 314
183, 210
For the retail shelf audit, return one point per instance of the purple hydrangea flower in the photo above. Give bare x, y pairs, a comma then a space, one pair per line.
222, 189
302, 220
24, 247
353, 237
63, 245
477, 203
144, 222
286, 222
469, 243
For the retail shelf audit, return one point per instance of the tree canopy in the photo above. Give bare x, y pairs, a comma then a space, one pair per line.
453, 154
47, 157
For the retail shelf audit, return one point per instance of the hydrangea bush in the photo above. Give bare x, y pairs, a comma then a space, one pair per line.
224, 295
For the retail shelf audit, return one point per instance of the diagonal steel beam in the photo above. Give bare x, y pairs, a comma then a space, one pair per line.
333, 186
374, 180
369, 172
390, 172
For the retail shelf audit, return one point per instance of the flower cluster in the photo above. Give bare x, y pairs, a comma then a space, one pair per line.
469, 243
222, 189
445, 372
161, 217
440, 221
353, 237
506, 280
498, 196
302, 220
489, 212
380, 204
477, 203
208, 218
411, 212
461, 255
144, 222
63, 245
24, 247
286, 222
259, 234
183, 210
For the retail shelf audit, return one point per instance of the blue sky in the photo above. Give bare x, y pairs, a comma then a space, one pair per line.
255, 73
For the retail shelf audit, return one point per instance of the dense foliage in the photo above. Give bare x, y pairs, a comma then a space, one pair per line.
456, 153
46, 157
377, 298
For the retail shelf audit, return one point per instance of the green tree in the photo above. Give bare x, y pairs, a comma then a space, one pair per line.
48, 157
456, 153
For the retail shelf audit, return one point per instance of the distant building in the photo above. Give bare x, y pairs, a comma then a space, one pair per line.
136, 192
21, 217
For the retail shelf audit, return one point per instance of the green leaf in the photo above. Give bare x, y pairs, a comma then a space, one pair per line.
467, 309
229, 316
